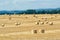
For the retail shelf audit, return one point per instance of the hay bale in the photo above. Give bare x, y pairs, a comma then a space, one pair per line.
50, 23
3, 25
37, 23
51, 17
26, 17
46, 22
9, 18
34, 31
35, 16
42, 31
38, 20
45, 19
42, 18
41, 22
17, 23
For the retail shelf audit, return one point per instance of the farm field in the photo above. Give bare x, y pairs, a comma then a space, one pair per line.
30, 27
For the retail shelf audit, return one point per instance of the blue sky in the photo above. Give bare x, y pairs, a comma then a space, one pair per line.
28, 4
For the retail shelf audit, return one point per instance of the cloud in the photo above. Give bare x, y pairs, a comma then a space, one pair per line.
27, 4
22, 1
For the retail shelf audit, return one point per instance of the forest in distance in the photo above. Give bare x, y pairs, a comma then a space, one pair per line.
32, 11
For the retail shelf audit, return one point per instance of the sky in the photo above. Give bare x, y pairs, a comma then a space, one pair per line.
28, 4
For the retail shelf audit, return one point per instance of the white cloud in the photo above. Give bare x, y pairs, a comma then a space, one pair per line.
4, 3
15, 1
26, 4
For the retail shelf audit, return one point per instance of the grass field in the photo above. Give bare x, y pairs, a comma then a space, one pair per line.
30, 27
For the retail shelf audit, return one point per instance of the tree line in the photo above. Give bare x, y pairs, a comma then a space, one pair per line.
33, 11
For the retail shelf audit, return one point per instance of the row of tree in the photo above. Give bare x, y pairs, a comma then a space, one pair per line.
33, 11
44, 11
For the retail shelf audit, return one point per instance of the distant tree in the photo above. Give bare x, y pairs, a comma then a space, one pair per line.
30, 11
58, 10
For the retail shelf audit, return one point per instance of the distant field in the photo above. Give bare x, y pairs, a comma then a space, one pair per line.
30, 27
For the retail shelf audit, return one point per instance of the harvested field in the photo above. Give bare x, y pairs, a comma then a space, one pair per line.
30, 27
